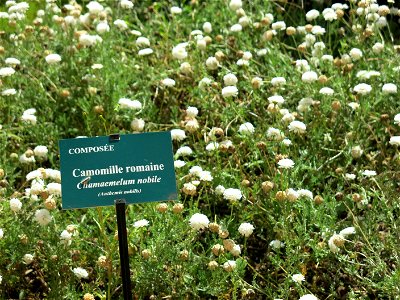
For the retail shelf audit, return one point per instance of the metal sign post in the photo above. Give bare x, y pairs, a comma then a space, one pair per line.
135, 168
123, 248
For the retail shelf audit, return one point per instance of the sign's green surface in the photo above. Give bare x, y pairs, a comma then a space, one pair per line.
135, 167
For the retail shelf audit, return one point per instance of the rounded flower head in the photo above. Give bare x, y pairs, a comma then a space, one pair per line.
297, 127
397, 119
246, 129
168, 82
192, 111
326, 91
184, 151
278, 81
308, 297
199, 221
276, 99
395, 140
142, 41
309, 76
8, 92
207, 27
40, 151
389, 88
53, 58
179, 51
230, 79
229, 91
235, 4
145, 51
178, 134
362, 89
229, 266
312, 15
43, 216
175, 10
28, 258
12, 61
298, 278
356, 53
141, 223
15, 205
212, 63
246, 229
7, 71
232, 195
137, 124
80, 273
129, 104
285, 163
347, 231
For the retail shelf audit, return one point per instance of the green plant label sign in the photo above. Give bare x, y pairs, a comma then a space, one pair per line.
135, 167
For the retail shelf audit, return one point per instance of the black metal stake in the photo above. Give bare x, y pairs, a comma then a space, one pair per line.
123, 248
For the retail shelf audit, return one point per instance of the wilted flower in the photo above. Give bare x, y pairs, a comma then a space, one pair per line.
335, 242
